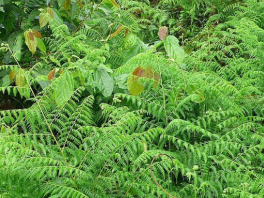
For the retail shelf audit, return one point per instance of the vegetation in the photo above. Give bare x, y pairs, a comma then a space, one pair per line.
121, 98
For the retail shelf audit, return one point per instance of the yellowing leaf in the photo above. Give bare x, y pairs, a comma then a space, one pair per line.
67, 4
44, 18
51, 12
12, 76
134, 87
20, 78
32, 44
119, 29
3, 129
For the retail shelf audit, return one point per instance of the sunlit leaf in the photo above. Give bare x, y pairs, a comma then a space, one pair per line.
44, 18
134, 87
20, 76
32, 44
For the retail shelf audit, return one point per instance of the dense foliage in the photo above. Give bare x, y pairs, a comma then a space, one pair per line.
121, 98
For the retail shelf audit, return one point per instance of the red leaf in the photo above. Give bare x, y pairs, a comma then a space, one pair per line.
31, 36
37, 34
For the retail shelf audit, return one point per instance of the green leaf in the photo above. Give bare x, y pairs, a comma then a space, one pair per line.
74, 10
18, 46
6, 81
41, 45
104, 82
174, 50
196, 92
57, 18
64, 88
54, 60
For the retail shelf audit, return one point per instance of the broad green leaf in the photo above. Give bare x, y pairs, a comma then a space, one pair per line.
6, 81
74, 10
41, 45
57, 18
137, 48
18, 46
121, 81
174, 50
104, 82
32, 44
64, 88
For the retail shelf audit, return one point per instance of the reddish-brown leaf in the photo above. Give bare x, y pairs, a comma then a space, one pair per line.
127, 31
133, 84
51, 75
119, 29
80, 4
31, 36
163, 32
139, 71
37, 34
